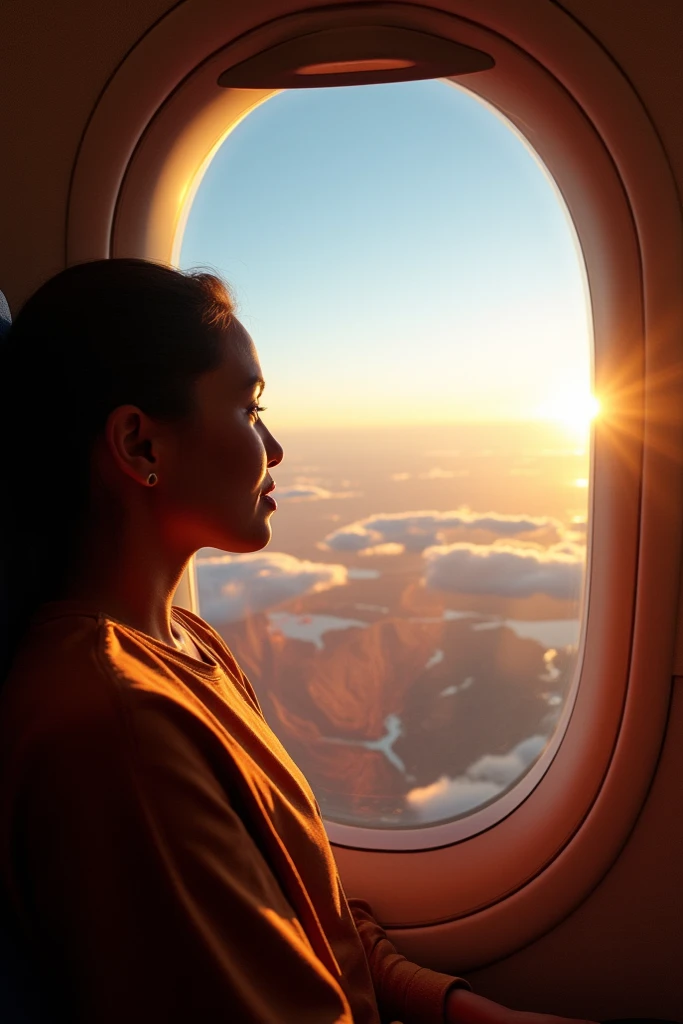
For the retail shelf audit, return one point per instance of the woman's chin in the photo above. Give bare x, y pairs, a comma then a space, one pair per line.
252, 537
254, 542
263, 543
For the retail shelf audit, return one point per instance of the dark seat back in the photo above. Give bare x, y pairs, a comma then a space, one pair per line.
20, 999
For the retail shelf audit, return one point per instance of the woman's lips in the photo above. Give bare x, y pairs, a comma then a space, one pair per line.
270, 501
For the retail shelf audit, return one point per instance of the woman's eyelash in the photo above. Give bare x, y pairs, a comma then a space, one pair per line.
258, 408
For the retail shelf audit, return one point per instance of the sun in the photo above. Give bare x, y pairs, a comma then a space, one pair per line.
574, 409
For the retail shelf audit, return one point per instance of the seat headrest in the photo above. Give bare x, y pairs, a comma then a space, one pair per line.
5, 316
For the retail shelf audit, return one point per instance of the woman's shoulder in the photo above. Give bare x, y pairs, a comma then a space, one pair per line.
59, 636
57, 687
80, 678
74, 663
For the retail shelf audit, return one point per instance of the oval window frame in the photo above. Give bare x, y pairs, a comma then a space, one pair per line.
133, 178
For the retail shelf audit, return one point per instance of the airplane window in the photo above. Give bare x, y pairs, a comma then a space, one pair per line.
414, 287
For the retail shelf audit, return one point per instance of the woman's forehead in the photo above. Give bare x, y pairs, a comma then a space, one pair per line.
240, 361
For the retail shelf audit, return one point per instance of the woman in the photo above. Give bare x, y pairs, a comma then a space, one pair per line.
162, 857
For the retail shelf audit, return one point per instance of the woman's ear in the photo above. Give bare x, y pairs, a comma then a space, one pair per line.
132, 440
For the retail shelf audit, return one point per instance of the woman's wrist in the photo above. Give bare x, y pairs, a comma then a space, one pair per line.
465, 1007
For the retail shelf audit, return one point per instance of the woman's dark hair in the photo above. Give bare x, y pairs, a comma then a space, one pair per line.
95, 336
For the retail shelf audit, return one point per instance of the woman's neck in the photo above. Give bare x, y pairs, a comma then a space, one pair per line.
129, 575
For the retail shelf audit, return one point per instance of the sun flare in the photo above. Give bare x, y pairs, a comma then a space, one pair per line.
575, 410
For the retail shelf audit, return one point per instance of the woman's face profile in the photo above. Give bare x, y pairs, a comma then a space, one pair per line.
217, 460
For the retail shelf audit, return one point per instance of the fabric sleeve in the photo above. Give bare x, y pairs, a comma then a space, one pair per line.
405, 991
142, 892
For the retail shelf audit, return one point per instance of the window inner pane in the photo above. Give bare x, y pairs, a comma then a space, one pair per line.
414, 288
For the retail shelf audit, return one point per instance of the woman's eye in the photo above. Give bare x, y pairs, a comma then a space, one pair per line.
257, 409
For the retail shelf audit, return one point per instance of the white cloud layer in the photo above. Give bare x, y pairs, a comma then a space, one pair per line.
310, 492
437, 473
232, 586
482, 781
383, 549
363, 574
506, 570
419, 530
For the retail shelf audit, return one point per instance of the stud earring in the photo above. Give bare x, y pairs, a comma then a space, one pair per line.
152, 479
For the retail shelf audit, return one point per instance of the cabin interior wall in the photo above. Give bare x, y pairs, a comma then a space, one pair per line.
619, 954
645, 41
56, 60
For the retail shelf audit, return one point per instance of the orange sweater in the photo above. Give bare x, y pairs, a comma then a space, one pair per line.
163, 857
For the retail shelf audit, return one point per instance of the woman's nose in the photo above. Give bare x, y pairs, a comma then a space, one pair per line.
274, 451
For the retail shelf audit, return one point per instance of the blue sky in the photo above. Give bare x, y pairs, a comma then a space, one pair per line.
398, 255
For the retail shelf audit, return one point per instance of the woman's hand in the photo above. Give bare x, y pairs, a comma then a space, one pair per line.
463, 1007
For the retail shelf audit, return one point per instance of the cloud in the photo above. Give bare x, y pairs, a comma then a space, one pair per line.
504, 769
483, 780
576, 532
311, 492
383, 549
447, 798
506, 570
436, 473
304, 492
232, 586
420, 530
350, 538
